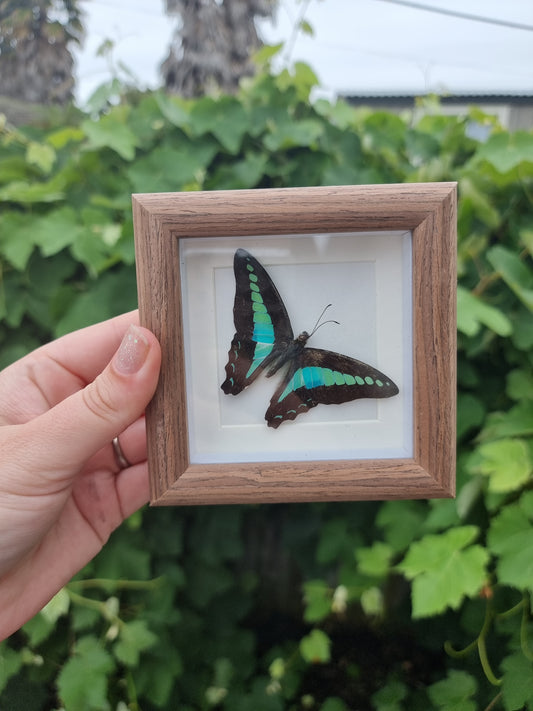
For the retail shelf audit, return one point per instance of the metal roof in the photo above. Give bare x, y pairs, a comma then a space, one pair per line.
403, 99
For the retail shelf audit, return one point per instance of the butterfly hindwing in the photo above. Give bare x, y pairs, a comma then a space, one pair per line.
319, 376
263, 328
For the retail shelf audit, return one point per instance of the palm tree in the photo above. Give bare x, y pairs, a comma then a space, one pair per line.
35, 61
213, 45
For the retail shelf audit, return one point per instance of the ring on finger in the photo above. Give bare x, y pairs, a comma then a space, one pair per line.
120, 458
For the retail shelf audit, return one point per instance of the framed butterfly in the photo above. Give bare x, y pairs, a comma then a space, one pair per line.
264, 342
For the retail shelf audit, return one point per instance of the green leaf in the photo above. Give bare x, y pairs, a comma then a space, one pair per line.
114, 293
62, 137
454, 693
134, 638
16, 238
507, 463
91, 249
444, 569
526, 237
160, 668
505, 151
104, 95
306, 28
390, 697
345, 159
517, 683
258, 699
55, 231
246, 173
522, 337
511, 539
57, 607
472, 313
520, 385
170, 167
516, 422
226, 119
123, 561
470, 413
208, 582
421, 147
333, 703
290, 134
442, 514
266, 53
315, 647
30, 193
82, 682
317, 600
340, 114
478, 202
334, 542
401, 522
41, 155
372, 602
13, 168
174, 109
514, 272
112, 132
301, 77
277, 668
10, 664
38, 629
375, 561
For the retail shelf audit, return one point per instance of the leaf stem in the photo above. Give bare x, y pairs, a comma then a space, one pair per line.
484, 282
480, 643
109, 584
482, 649
458, 653
295, 31
511, 611
494, 701
97, 605
524, 642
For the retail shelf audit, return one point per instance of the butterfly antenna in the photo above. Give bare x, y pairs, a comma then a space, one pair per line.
318, 324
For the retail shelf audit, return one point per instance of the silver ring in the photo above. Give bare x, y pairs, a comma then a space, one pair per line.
120, 459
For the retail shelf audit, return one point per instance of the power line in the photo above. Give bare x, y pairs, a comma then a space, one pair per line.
462, 15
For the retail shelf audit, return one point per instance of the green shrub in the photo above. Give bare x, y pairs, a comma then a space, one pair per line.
387, 606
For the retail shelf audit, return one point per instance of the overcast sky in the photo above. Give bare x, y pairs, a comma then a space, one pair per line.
359, 46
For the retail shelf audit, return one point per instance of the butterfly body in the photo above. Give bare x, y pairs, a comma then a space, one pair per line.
264, 343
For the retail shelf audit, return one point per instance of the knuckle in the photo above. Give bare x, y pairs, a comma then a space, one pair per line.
98, 399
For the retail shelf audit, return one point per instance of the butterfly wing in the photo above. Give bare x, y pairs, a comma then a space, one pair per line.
263, 328
323, 377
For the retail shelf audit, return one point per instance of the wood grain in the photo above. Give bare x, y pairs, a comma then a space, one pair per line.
429, 212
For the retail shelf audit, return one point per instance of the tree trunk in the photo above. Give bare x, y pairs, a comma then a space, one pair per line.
213, 46
35, 62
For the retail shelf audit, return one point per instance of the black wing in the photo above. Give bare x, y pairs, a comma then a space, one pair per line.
324, 377
263, 328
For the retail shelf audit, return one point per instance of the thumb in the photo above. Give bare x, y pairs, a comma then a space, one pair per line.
66, 436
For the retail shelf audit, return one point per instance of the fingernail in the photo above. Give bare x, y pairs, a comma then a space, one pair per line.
132, 352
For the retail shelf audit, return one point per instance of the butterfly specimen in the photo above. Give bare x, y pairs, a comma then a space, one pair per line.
264, 342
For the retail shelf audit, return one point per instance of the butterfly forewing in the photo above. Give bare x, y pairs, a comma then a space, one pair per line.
263, 328
324, 377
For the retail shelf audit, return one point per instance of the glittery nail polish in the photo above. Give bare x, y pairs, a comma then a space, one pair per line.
132, 352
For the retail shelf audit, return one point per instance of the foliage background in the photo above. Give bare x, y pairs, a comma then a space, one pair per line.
385, 606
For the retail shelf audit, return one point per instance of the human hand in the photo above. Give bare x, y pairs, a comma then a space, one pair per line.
62, 492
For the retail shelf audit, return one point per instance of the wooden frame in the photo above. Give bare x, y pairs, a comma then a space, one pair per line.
428, 211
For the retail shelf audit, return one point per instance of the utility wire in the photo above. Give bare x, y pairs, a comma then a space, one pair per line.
462, 15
